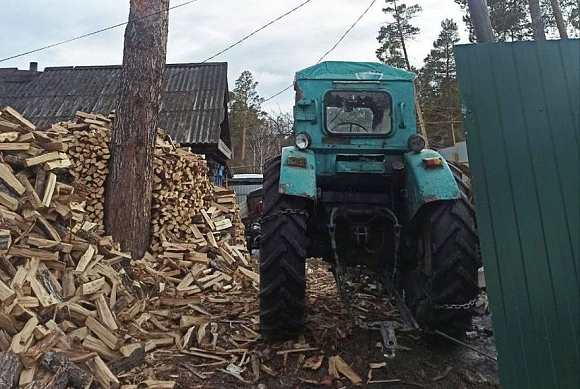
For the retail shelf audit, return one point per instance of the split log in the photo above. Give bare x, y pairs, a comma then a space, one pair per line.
10, 371
78, 377
136, 358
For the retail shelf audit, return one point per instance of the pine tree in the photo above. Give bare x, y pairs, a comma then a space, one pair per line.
511, 21
245, 115
569, 12
439, 92
538, 26
128, 206
395, 34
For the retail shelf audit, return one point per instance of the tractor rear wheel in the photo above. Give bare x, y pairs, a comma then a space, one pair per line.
442, 287
282, 259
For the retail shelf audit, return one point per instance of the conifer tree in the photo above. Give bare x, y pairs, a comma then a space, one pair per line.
439, 92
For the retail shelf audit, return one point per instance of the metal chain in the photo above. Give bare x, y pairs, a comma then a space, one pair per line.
453, 306
397, 228
464, 306
284, 212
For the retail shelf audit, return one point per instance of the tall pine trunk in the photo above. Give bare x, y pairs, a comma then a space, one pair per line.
479, 15
129, 184
537, 21
559, 19
418, 109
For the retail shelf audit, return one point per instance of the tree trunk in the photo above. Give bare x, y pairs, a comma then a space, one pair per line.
128, 189
420, 119
243, 144
537, 21
480, 18
400, 30
418, 109
559, 19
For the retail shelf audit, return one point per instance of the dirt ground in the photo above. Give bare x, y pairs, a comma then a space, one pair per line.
331, 332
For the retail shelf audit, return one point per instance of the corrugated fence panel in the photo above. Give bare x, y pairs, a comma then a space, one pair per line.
457, 153
243, 190
521, 102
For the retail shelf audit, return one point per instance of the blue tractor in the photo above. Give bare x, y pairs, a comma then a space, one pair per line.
360, 190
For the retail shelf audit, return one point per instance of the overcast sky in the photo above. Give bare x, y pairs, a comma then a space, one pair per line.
201, 29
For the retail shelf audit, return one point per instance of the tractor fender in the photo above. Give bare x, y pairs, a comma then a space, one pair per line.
298, 173
427, 184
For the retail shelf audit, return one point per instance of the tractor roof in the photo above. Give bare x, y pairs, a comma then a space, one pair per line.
336, 70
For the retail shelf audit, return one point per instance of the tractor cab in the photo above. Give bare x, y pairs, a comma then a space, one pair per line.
360, 190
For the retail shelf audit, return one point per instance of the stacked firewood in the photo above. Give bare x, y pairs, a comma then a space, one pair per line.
74, 309
227, 198
89, 152
61, 285
180, 191
181, 188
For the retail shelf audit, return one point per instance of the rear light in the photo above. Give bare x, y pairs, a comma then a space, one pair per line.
432, 162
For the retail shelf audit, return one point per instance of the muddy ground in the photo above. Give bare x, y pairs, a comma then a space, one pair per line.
331, 332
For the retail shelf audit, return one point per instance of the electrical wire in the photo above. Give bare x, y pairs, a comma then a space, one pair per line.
96, 32
331, 49
246, 37
257, 31
347, 31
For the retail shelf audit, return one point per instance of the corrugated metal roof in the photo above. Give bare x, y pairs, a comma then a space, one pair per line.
522, 105
193, 106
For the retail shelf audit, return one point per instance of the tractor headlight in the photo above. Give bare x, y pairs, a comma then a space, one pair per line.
302, 140
416, 143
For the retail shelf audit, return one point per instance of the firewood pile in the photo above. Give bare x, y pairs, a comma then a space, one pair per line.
180, 189
74, 309
225, 350
88, 148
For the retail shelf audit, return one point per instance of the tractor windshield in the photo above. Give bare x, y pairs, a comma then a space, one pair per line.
358, 112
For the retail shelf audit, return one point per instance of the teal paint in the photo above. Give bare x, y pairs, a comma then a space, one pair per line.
314, 82
425, 185
297, 180
354, 71
522, 106
327, 148
370, 167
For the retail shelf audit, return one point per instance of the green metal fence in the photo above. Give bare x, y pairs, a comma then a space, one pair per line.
521, 106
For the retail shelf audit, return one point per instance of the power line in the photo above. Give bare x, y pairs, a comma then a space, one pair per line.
348, 31
331, 49
96, 32
247, 36
258, 30
278, 93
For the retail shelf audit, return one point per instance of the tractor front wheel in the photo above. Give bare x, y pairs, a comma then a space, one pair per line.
441, 287
282, 259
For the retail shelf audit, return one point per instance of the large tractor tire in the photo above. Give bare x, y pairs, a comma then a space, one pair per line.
441, 288
282, 259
